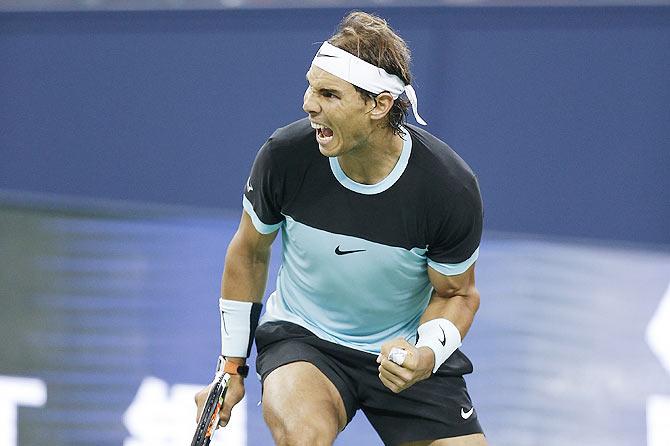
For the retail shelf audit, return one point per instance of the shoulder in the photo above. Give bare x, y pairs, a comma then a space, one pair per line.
453, 200
437, 157
288, 149
439, 162
291, 139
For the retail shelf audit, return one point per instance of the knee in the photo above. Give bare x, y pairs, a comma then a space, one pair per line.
291, 430
302, 436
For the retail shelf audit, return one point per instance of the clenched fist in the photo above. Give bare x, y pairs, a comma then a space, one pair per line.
417, 365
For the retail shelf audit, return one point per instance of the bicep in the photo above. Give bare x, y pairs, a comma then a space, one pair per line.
249, 238
453, 285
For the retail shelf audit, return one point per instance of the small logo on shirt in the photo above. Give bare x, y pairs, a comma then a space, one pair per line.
249, 187
341, 253
443, 341
465, 415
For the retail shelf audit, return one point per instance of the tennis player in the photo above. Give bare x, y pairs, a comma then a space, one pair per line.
381, 225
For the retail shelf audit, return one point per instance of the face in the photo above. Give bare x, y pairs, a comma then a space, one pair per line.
338, 113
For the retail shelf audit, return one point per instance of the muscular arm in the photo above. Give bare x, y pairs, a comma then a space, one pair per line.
244, 277
245, 273
246, 268
455, 298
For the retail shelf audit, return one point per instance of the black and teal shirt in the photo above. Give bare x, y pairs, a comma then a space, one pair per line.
355, 256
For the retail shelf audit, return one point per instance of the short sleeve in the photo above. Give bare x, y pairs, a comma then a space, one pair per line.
455, 242
263, 192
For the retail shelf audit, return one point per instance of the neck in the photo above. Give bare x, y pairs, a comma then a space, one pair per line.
373, 162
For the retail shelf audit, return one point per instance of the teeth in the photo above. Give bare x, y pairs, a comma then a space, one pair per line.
318, 126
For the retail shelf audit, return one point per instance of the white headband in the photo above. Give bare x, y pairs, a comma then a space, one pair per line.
362, 74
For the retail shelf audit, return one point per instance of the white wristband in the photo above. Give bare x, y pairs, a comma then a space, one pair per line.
441, 336
238, 325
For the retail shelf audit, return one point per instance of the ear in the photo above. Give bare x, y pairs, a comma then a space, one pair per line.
384, 103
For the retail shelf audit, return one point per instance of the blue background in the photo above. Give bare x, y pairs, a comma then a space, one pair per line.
148, 121
98, 297
562, 112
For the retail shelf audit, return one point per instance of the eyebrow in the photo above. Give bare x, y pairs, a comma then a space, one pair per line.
325, 89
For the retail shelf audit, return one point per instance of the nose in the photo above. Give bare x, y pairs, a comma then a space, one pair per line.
309, 104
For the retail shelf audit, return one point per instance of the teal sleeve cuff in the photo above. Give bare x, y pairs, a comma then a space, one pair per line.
454, 269
258, 224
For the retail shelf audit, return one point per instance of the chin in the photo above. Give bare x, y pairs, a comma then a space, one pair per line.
330, 153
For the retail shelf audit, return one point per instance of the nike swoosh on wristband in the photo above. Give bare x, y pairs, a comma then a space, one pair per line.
465, 415
444, 338
223, 320
341, 253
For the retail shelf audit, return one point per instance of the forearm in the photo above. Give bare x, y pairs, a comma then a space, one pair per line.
437, 338
242, 288
460, 309
245, 272
448, 316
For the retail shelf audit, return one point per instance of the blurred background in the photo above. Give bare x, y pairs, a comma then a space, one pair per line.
127, 131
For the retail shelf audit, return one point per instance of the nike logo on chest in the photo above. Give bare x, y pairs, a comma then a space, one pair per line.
339, 252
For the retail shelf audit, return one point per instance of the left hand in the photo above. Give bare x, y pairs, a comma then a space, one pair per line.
418, 365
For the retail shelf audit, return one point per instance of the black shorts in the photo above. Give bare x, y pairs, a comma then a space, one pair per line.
438, 407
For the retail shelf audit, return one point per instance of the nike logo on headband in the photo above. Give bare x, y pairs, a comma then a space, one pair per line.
320, 54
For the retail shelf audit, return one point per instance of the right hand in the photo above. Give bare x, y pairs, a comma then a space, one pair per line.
234, 395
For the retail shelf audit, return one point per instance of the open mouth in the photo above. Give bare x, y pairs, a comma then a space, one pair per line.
323, 134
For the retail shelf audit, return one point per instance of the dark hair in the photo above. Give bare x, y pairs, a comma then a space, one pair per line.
370, 38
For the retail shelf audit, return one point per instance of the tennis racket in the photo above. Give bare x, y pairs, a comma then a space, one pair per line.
209, 420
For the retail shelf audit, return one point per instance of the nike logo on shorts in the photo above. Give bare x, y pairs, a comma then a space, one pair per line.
465, 415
